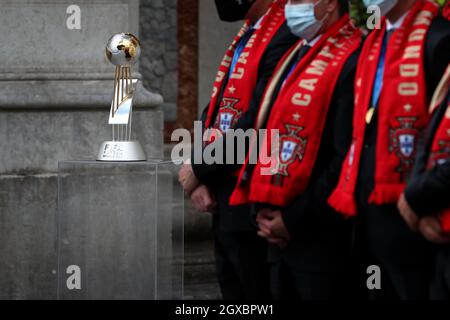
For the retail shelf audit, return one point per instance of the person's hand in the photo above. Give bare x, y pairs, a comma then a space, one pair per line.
271, 227
431, 229
187, 178
408, 213
202, 199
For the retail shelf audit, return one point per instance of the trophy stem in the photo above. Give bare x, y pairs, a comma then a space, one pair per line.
122, 83
131, 121
123, 88
116, 90
127, 92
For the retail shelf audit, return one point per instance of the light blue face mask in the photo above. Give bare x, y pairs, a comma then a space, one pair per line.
384, 5
302, 21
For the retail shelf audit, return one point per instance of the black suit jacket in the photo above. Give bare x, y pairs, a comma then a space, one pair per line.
279, 45
429, 190
437, 57
218, 177
321, 238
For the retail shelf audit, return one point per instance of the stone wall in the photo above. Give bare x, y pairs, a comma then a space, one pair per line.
158, 33
55, 94
214, 38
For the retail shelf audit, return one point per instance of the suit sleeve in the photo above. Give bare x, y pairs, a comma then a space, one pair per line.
313, 202
202, 171
437, 55
429, 192
279, 45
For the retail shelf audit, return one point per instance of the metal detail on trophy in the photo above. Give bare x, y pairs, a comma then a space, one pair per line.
123, 50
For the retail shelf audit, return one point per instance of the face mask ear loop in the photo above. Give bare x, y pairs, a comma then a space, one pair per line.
324, 18
315, 4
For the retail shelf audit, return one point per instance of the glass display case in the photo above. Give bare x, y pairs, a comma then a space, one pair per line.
120, 230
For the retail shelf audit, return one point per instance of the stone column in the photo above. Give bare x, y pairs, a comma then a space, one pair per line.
55, 92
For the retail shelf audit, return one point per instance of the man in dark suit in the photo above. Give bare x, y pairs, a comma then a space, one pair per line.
425, 204
310, 244
391, 113
240, 254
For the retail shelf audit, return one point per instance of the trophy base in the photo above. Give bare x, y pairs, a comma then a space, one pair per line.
118, 151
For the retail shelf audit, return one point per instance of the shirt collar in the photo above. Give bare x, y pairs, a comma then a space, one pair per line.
313, 41
257, 25
397, 24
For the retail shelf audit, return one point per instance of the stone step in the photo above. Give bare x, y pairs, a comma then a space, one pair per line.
200, 281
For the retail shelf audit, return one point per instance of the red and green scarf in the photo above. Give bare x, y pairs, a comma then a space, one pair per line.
299, 114
440, 146
402, 110
237, 89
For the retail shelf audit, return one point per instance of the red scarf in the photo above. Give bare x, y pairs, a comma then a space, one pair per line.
238, 90
402, 109
299, 114
440, 147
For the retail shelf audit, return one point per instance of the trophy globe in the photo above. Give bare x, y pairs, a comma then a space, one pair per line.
123, 51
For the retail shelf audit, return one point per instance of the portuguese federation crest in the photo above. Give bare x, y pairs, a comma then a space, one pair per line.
292, 146
228, 115
403, 141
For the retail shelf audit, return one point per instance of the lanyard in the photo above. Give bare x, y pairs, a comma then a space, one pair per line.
240, 47
378, 86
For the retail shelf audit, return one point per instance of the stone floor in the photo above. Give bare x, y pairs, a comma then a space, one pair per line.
200, 281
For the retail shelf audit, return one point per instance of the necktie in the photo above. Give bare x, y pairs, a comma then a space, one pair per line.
378, 85
301, 53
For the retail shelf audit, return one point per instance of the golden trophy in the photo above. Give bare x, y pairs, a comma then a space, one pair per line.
123, 50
